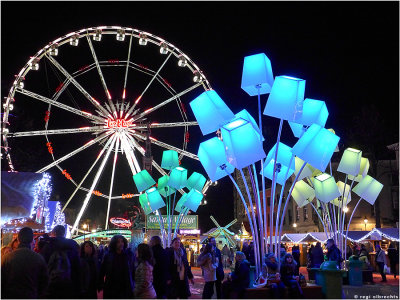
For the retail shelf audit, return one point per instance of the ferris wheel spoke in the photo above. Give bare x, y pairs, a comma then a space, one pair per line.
60, 105
151, 81
127, 68
69, 155
112, 180
130, 156
96, 179
56, 131
76, 84
61, 90
166, 125
103, 82
146, 112
169, 147
86, 175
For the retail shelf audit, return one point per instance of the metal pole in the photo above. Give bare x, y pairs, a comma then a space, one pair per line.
348, 226
323, 224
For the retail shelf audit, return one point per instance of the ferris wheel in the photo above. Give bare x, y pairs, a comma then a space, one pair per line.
99, 93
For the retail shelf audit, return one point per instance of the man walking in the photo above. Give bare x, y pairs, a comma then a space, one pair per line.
333, 252
220, 269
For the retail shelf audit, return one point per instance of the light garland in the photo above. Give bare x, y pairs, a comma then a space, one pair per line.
41, 194
59, 217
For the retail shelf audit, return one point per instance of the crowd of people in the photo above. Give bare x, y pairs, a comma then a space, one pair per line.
58, 268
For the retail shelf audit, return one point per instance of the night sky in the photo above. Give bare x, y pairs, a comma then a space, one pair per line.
348, 53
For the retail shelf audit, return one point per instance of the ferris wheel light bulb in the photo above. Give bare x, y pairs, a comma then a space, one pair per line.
197, 76
182, 62
74, 41
120, 35
34, 64
97, 35
163, 48
21, 84
142, 39
54, 50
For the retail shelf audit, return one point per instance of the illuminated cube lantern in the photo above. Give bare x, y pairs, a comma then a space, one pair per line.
350, 162
302, 193
154, 199
178, 178
257, 74
144, 203
316, 146
169, 160
242, 144
210, 111
368, 189
306, 172
179, 205
143, 180
325, 188
347, 194
314, 111
193, 200
333, 131
286, 98
196, 181
283, 158
364, 166
212, 156
244, 114
163, 187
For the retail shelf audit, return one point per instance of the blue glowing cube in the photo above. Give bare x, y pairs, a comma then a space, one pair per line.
143, 180
193, 200
178, 178
179, 205
242, 143
210, 111
316, 146
257, 74
314, 111
163, 187
196, 181
154, 199
286, 98
169, 159
297, 129
212, 156
244, 114
144, 203
284, 157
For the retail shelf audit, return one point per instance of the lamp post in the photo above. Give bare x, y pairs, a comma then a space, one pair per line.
365, 223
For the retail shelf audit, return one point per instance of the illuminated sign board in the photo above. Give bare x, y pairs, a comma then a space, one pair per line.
188, 222
189, 231
121, 222
118, 123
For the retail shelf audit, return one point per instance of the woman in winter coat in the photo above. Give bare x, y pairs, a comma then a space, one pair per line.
288, 271
380, 258
209, 264
89, 270
116, 268
179, 272
144, 273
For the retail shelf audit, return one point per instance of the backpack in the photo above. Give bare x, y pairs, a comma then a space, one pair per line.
59, 267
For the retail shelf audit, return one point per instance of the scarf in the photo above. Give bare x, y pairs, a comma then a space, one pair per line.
179, 263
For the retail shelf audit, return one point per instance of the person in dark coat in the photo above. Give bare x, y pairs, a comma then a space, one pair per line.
220, 269
23, 272
179, 272
296, 257
393, 255
89, 270
237, 282
160, 267
317, 256
66, 287
380, 259
115, 277
333, 252
289, 277
309, 256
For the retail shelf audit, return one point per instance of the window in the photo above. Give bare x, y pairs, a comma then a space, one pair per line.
297, 214
305, 213
290, 216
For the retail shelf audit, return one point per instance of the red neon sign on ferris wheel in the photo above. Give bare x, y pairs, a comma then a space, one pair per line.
118, 123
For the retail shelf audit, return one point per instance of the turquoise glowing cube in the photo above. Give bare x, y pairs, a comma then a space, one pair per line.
196, 181
364, 167
212, 156
143, 180
179, 205
244, 114
326, 188
283, 158
154, 199
368, 189
297, 129
286, 98
163, 187
193, 200
257, 74
242, 143
210, 111
169, 159
302, 193
178, 178
350, 162
144, 203
316, 146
